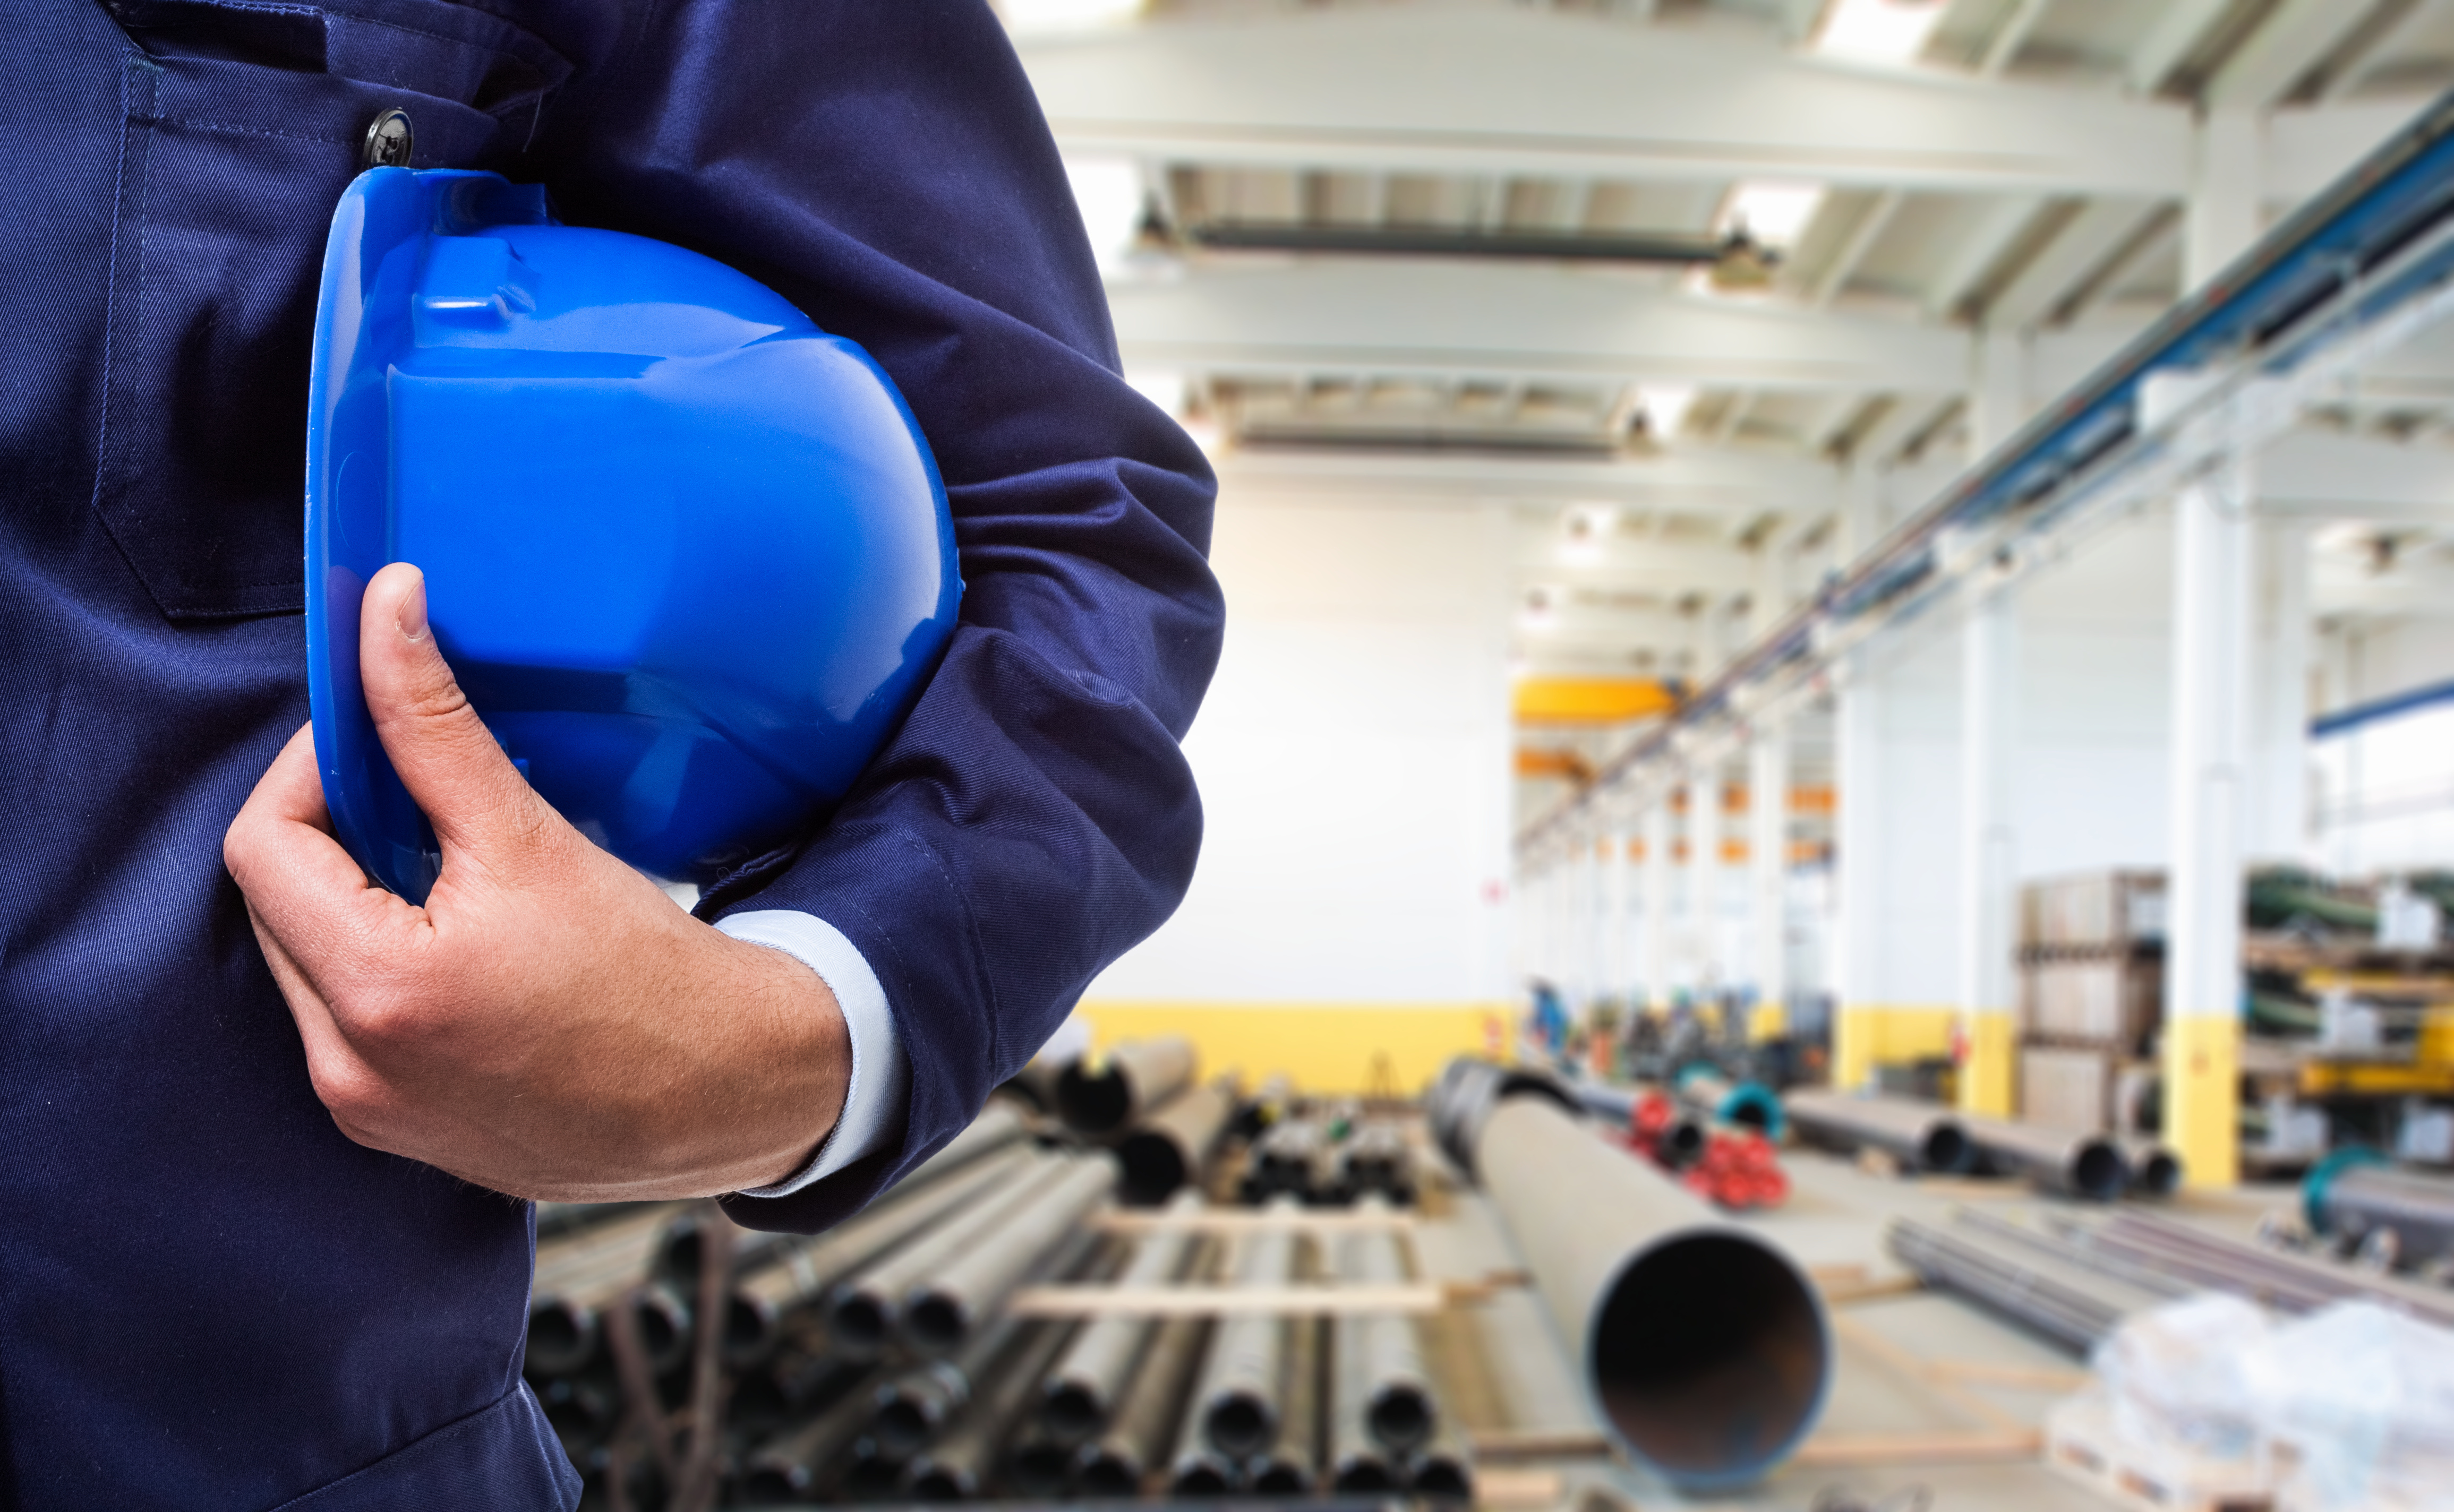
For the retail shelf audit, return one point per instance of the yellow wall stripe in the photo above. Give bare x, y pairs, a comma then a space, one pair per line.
1349, 1048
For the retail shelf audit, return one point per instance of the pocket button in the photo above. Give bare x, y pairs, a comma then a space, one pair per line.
389, 140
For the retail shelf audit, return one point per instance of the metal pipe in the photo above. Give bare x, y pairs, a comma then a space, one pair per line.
916, 1404
942, 1309
1919, 1135
1681, 1142
2025, 1276
1236, 1406
1357, 1465
1290, 1158
1292, 1467
1745, 1104
961, 1467
1000, 1124
764, 1302
1376, 1159
1079, 1398
1268, 1102
2354, 1195
1104, 1096
2086, 1166
1380, 1362
1121, 1460
1442, 1470
794, 1466
1544, 1389
1468, 1089
1170, 1147
1704, 1344
866, 1310
578, 1277
2154, 1169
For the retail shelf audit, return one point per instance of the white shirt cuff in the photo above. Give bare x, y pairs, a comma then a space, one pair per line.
881, 1079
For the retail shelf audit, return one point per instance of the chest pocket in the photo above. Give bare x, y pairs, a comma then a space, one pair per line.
228, 169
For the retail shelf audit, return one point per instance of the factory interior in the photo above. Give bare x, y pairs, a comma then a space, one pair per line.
1828, 812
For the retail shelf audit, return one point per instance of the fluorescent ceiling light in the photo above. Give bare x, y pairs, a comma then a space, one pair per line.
1880, 31
1066, 15
1666, 407
1108, 192
1771, 212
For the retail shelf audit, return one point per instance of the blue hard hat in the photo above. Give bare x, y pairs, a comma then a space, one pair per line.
688, 554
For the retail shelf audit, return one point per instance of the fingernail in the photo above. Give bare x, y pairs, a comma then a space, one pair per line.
412, 615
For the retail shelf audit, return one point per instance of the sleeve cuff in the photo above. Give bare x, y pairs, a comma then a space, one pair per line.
881, 1079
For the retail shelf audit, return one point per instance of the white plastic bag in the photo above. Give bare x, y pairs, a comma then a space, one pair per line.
2173, 1376
2365, 1398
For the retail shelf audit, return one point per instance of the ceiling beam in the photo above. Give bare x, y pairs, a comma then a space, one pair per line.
2317, 474
1540, 323
2081, 247
1693, 482
2309, 146
2286, 45
1516, 90
2184, 23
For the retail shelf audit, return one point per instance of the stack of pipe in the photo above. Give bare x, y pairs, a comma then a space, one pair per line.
2286, 1282
958, 1466
869, 1310
2025, 1276
1080, 1395
2354, 1195
765, 1302
2084, 1166
945, 1309
1706, 1344
1237, 1407
1920, 1136
1381, 1409
1291, 1158
1376, 1159
1104, 1096
1122, 1461
579, 1277
1168, 1149
2155, 1171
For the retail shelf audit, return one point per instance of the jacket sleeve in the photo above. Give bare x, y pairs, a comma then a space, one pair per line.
886, 167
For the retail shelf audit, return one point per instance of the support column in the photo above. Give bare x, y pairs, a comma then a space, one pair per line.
1618, 860
1705, 795
1988, 869
1657, 905
2213, 581
2203, 975
1578, 989
1857, 838
1768, 876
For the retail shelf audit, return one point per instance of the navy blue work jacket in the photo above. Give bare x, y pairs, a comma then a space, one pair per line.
208, 1297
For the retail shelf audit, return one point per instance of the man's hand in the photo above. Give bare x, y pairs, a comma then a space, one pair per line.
549, 1024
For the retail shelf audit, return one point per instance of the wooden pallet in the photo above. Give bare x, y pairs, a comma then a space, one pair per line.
2082, 1444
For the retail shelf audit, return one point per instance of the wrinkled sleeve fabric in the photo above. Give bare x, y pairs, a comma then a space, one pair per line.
886, 167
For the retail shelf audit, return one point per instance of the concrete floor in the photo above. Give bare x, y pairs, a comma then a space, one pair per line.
1929, 1390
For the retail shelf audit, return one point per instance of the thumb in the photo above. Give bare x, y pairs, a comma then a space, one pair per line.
447, 758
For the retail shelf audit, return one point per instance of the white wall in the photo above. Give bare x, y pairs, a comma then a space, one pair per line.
1354, 759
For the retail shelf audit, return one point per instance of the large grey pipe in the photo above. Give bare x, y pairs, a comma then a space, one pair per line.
942, 1309
1080, 1398
764, 1302
1381, 1378
1705, 1345
1167, 1152
2087, 1166
1107, 1095
2356, 1196
1237, 1403
866, 1310
1920, 1136
1121, 1460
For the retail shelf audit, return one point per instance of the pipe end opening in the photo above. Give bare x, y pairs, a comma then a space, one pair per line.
857, 1324
1442, 1478
1093, 1102
2098, 1171
1237, 1426
1709, 1356
2158, 1174
1104, 1474
1154, 1169
1398, 1417
1945, 1150
934, 1324
1363, 1473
